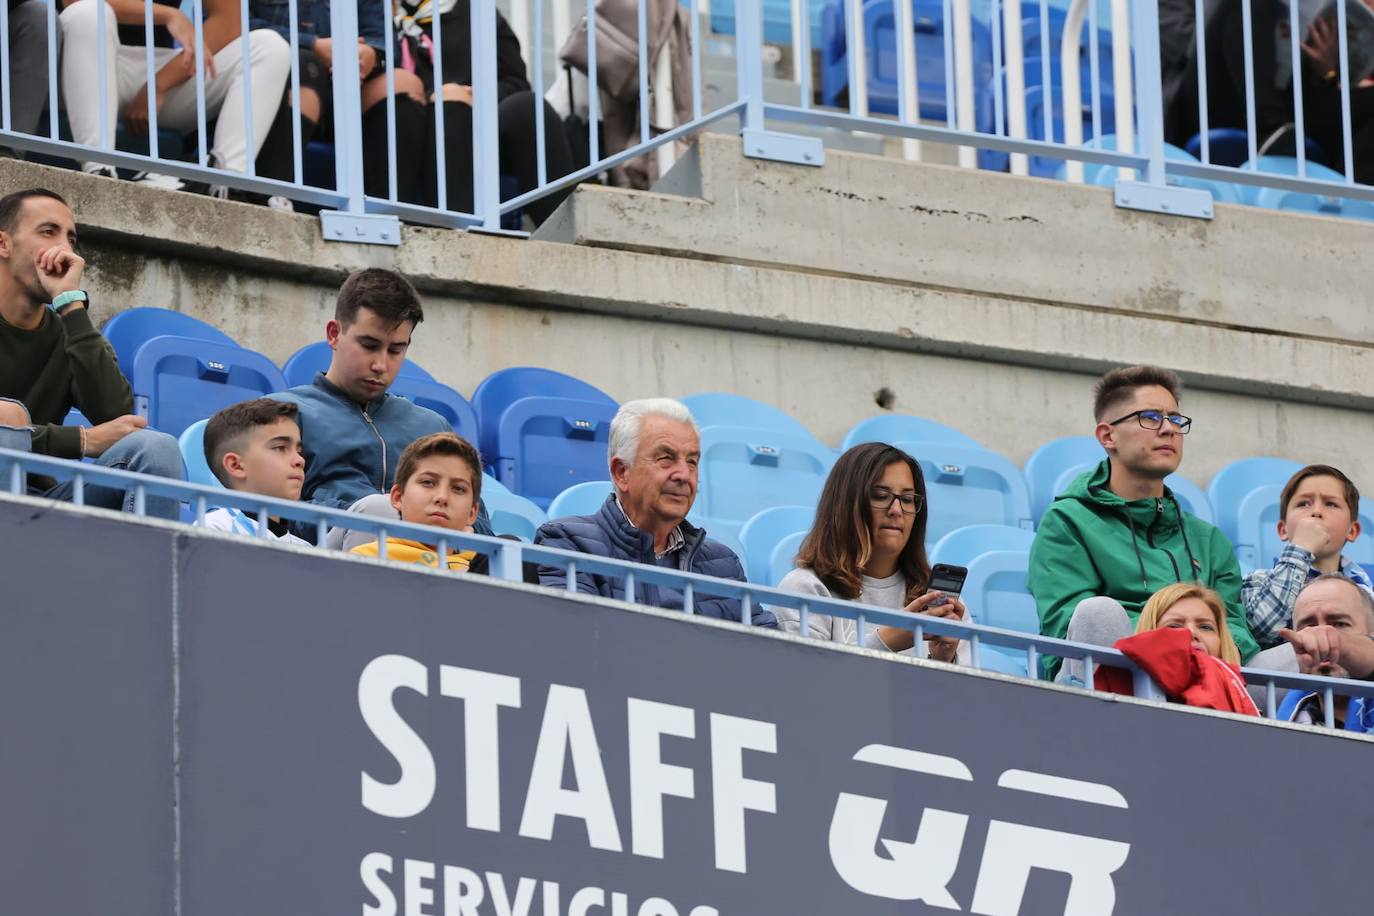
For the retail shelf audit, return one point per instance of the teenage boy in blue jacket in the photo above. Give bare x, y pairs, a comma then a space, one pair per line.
352, 431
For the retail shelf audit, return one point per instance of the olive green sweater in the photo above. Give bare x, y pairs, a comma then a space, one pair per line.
61, 364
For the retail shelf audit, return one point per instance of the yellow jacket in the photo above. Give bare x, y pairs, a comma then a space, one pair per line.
405, 551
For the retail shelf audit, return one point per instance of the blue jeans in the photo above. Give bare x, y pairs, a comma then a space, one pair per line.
145, 451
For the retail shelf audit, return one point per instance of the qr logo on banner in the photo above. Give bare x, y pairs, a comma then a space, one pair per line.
922, 869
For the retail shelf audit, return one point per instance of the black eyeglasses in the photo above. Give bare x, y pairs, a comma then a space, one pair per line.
881, 498
1154, 419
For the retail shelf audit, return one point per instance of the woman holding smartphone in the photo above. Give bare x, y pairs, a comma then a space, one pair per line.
868, 545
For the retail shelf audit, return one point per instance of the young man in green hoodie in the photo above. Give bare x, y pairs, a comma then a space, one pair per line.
1118, 535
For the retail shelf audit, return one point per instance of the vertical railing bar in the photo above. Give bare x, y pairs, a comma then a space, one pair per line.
151, 70
999, 80
140, 501
1251, 128
52, 70
862, 630
1088, 670
263, 531
918, 635
570, 579
486, 135
1047, 90
540, 143
1014, 52
200, 510
853, 39
201, 149
797, 10
1200, 37
803, 618
1032, 661
593, 96
16, 478
908, 80
1344, 78
391, 102
101, 55
801, 56
440, 155
963, 79
1269, 699
1328, 700
348, 120
442, 547
948, 37
5, 66
643, 24
746, 609
297, 154
250, 160
630, 587
1299, 128
381, 544
1095, 72
321, 532
79, 481
689, 597
975, 651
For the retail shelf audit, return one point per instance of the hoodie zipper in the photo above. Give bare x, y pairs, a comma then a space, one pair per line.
381, 486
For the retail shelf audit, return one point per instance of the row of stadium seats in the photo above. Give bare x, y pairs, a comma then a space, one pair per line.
544, 437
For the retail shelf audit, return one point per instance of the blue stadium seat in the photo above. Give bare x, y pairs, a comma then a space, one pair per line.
1300, 202
178, 380
761, 533
542, 431
783, 558
718, 409
880, 43
1036, 102
1191, 497
969, 486
1229, 146
895, 427
1048, 463
1106, 175
995, 593
303, 365
132, 328
76, 418
745, 470
510, 513
1362, 550
584, 498
1235, 482
192, 442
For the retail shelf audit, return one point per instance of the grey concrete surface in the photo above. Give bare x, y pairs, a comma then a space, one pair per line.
1011, 370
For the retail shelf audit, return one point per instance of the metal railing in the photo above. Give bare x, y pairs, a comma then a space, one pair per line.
647, 122
507, 559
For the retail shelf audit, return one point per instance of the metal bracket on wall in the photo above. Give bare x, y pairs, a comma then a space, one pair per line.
765, 144
1167, 199
362, 228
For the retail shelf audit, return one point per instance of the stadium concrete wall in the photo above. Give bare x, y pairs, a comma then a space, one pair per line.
201, 725
984, 301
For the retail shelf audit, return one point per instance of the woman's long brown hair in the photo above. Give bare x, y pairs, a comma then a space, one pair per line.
840, 542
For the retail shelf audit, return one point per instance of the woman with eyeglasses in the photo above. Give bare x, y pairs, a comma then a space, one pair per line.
868, 545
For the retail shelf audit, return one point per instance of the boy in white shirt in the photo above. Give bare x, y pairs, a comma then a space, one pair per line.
255, 447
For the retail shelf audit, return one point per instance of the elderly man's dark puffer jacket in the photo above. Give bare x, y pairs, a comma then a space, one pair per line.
610, 534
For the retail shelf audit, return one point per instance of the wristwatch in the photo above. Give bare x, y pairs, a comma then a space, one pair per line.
62, 300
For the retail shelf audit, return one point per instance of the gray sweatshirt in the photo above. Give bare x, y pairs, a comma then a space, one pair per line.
885, 593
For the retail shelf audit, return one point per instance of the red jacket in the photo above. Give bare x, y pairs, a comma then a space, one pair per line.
1185, 674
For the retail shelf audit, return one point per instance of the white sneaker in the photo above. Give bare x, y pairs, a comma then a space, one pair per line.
157, 180
101, 171
284, 204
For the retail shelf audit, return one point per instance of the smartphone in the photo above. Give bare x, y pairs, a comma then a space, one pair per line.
947, 579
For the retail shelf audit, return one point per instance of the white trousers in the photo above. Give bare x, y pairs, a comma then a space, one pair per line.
126, 72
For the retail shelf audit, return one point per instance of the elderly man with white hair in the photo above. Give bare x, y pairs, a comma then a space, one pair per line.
1333, 620
654, 452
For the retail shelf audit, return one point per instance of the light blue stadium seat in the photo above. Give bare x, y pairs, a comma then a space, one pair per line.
761, 533
178, 380
509, 512
1235, 482
1048, 463
995, 593
968, 486
896, 427
313, 358
131, 329
192, 442
75, 417
1300, 202
719, 409
584, 498
783, 558
1362, 550
542, 431
745, 470
1106, 175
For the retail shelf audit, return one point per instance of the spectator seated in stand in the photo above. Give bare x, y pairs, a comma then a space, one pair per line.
1318, 515
868, 545
1332, 636
52, 359
1118, 535
255, 447
1181, 640
438, 483
352, 431
654, 451
227, 90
